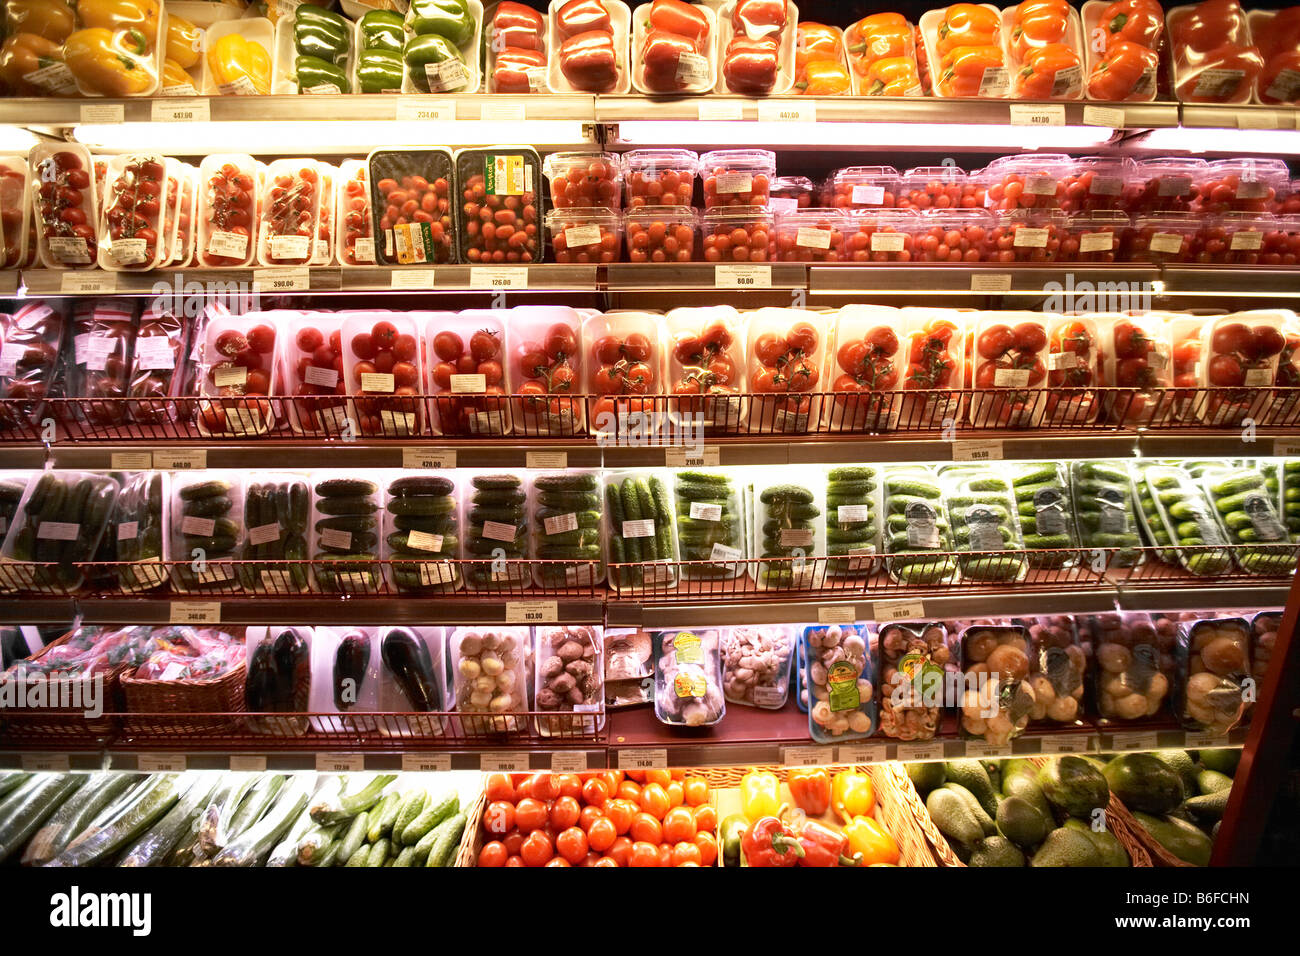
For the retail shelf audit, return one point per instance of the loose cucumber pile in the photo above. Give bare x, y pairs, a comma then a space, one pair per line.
566, 527
1246, 514
787, 514
710, 526
350, 505
852, 520
497, 528
1175, 511
226, 819
422, 524
1290, 493
1102, 494
983, 513
60, 524
916, 523
641, 530
205, 533
1042, 492
275, 529
138, 532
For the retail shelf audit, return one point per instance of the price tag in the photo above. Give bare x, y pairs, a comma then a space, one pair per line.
160, 763
502, 112
55, 762
470, 384
78, 282
102, 113
643, 758
425, 763
720, 110
787, 111
1030, 114
131, 461
255, 763
569, 761
410, 279
1246, 119
990, 282
905, 610
863, 753
547, 459
1134, 740
677, 456
185, 109
982, 748
282, 280
807, 756
1286, 447
340, 763
1198, 739
1065, 744
837, 615
981, 450
920, 750
506, 760
742, 277
195, 612
532, 612
421, 109
639, 528
195, 459
435, 458
505, 277
1103, 116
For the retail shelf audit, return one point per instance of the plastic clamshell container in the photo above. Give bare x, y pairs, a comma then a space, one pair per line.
566, 526
884, 235
569, 680
787, 193
659, 177
787, 530
1214, 662
954, 235
382, 367
421, 534
58, 525
1035, 181
661, 233
1163, 237
861, 187
620, 19
840, 675
1028, 235
1096, 236
1241, 185
230, 189
419, 228
1097, 183
939, 187
134, 182
584, 179
624, 364
688, 678
585, 235
59, 195
345, 520
642, 532
311, 370
998, 708
1134, 664
354, 221
737, 177
238, 372
808, 235
757, 662
925, 648
736, 234
545, 359
1163, 184
207, 524
490, 678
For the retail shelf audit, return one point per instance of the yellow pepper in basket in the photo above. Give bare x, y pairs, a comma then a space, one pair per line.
852, 795
142, 15
184, 42
760, 795
109, 64
873, 841
233, 57
51, 19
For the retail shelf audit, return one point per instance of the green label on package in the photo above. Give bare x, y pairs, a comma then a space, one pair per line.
842, 686
506, 176
687, 649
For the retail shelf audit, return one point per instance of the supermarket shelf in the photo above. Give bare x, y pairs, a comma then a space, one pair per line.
1189, 596
696, 276
959, 279
1207, 444
1227, 116
1182, 280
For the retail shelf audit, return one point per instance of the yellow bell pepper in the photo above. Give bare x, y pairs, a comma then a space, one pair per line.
174, 75
115, 14
233, 57
872, 840
51, 19
184, 41
25, 53
109, 64
852, 795
760, 795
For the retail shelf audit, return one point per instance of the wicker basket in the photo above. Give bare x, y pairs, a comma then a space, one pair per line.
69, 722
1159, 855
1118, 818
472, 840
220, 695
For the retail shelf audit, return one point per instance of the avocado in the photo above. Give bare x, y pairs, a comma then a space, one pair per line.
1074, 785
996, 851
1017, 766
1142, 782
925, 776
1182, 764
1211, 781
994, 769
1027, 789
1208, 807
1066, 848
1021, 822
1222, 759
1179, 837
985, 821
1107, 844
972, 775
954, 820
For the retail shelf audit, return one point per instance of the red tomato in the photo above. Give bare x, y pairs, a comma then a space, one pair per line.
1030, 337
620, 851
996, 340
684, 853
1233, 337
637, 347
1267, 342
696, 790
654, 801
404, 348
565, 813
679, 825
545, 786
560, 341
706, 817
643, 853
802, 337
515, 860
447, 346
362, 346
708, 845
882, 340
594, 792
384, 335
769, 348
601, 834
493, 854
621, 813
646, 827
1225, 371
537, 849
852, 356
309, 339
606, 861
1130, 341
499, 817
483, 345
572, 845
530, 814
261, 338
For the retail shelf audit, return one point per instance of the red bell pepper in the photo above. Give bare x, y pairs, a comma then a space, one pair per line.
661, 54
825, 846
582, 16
518, 26
750, 66
758, 18
682, 19
589, 61
770, 842
811, 789
511, 73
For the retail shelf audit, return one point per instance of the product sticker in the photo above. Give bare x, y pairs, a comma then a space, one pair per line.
240, 86
1252, 189
324, 377
643, 528
499, 531
59, 530
734, 183
692, 69
377, 382
229, 245
1114, 511
1258, 377
436, 572
1049, 511
1097, 242
657, 572
768, 696
56, 79
581, 576
290, 247
1217, 84
68, 249
242, 420
842, 686
79, 345
985, 530
154, 352
888, 241
264, 533
796, 537
1257, 508
588, 235
98, 350
559, 524
128, 530
783, 421
396, 423
230, 376
9, 356
1056, 361
1027, 238
1067, 82
705, 512
722, 554
1174, 186
213, 573
994, 81
860, 558
811, 237
922, 531
1011, 378
866, 195
336, 539
1106, 186
687, 649
690, 684
1285, 86
363, 249
782, 204
1247, 239
1170, 242
413, 243
506, 175
1040, 185
469, 384
129, 252
201, 527
852, 514
277, 581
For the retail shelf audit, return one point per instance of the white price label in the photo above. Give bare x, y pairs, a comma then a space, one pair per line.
324, 377
547, 459
58, 530
426, 763
863, 753
102, 113
422, 109
1030, 114
1097, 242
48, 762
506, 760
1286, 447
812, 237
807, 756
499, 531
920, 750
977, 450
569, 761
852, 514
470, 384
128, 530
711, 110
722, 554
1257, 119
990, 282
378, 382
678, 456
1196, 740
702, 511
787, 111
189, 460
733, 183
228, 245
161, 763
1170, 242
502, 111
1103, 116
867, 195
195, 612
264, 533
640, 528
1065, 744
186, 109
1028, 238
131, 461
229, 376
982, 748
742, 277
1134, 740
1011, 378
559, 524
284, 280
429, 458
837, 615
492, 277
888, 241
901, 610
198, 526
643, 758
79, 283
409, 278
588, 235
1248, 240
797, 537
340, 763
1258, 377
424, 541
532, 612
249, 763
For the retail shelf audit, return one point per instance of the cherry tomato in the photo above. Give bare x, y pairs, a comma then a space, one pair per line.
483, 345
620, 851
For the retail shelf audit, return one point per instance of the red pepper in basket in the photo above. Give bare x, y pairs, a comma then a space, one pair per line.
516, 25
770, 842
811, 790
758, 18
513, 64
589, 61
750, 66
825, 846
582, 16
683, 19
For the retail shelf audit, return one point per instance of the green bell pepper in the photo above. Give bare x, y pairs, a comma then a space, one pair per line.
310, 13
312, 72
447, 18
313, 39
423, 51
732, 829
379, 70
382, 30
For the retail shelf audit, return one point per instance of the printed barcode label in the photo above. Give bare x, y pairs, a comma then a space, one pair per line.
381, 382
1010, 377
1097, 242
864, 195
201, 527
796, 537
848, 514
231, 376
1248, 240
228, 245
643, 758
1166, 242
531, 612
734, 183
588, 235
1030, 238
1062, 360
128, 530
468, 384
128, 252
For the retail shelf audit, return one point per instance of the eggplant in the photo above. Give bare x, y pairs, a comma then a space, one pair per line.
260, 684
407, 657
292, 663
351, 658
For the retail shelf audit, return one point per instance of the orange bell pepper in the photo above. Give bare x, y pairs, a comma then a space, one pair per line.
1037, 23
877, 37
894, 76
1132, 21
1036, 79
1117, 76
811, 789
116, 14
967, 24
25, 53
873, 841
816, 41
51, 19
962, 69
825, 78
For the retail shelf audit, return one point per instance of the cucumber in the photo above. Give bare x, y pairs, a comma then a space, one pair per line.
31, 804
150, 803
1035, 474
358, 857
687, 491
352, 523
260, 796
1237, 484
354, 838
407, 811
447, 838
566, 482
346, 487
378, 852
336, 808
260, 839
381, 819
631, 501
569, 500
158, 842
205, 489
11, 780
349, 505
76, 814
315, 843
851, 473
406, 857
497, 482
433, 486
215, 823
208, 507
785, 493
432, 814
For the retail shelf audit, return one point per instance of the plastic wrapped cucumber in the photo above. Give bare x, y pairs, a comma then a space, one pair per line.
138, 531
277, 509
983, 514
496, 531
566, 527
1042, 491
852, 520
420, 525
1289, 497
1245, 512
1175, 511
640, 516
345, 538
916, 523
59, 524
710, 524
1102, 494
786, 528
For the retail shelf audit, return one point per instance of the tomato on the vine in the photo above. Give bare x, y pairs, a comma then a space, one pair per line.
995, 341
